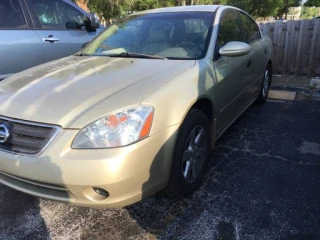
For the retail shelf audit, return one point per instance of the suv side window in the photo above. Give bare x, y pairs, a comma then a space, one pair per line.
249, 28
229, 30
56, 14
11, 16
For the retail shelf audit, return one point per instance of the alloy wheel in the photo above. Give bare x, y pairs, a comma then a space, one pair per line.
194, 154
266, 82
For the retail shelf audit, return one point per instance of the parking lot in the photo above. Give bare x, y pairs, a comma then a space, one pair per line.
262, 183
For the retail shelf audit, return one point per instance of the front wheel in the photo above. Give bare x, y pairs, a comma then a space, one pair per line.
265, 86
191, 154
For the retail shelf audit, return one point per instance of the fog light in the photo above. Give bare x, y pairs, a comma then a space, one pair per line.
101, 192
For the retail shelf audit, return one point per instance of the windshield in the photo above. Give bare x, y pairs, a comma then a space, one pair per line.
179, 35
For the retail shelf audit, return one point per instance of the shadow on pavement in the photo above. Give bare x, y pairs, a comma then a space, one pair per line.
20, 216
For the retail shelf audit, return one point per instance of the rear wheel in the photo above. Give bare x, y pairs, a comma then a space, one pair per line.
191, 154
265, 86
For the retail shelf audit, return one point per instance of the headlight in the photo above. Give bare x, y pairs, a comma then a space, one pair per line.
117, 129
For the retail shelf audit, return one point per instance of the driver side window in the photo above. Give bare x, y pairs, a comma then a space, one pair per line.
229, 30
54, 14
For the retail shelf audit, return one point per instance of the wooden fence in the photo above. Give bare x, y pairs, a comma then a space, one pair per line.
296, 47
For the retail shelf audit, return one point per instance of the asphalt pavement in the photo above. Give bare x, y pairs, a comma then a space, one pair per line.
263, 182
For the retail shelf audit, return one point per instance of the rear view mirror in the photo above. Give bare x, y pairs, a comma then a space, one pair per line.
235, 49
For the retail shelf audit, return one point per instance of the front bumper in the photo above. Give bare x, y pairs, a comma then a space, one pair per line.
60, 173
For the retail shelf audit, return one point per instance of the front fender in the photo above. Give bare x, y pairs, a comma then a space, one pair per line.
173, 100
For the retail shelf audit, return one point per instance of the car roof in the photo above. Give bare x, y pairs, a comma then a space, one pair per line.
194, 8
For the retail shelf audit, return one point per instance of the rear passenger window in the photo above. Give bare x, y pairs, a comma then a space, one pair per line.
229, 30
54, 14
249, 28
11, 16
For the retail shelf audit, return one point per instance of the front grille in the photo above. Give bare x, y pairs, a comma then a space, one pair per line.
27, 138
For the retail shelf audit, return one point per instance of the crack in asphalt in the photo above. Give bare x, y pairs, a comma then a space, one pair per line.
268, 155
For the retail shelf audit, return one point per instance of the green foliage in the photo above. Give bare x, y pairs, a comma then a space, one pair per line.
285, 5
110, 9
105, 8
144, 5
312, 3
265, 8
309, 12
257, 8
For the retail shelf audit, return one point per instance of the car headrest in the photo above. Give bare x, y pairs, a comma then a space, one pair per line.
157, 34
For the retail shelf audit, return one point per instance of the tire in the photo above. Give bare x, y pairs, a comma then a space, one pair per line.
266, 83
191, 155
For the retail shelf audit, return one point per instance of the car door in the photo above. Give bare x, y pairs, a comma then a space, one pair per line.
252, 36
60, 26
20, 45
229, 72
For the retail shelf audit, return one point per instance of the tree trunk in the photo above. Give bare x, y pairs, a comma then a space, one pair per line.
286, 9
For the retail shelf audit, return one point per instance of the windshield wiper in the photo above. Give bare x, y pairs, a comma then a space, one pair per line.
133, 55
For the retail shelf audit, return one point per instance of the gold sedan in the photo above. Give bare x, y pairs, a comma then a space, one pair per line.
136, 111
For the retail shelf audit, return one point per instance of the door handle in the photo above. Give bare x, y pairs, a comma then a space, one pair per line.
51, 39
249, 63
266, 50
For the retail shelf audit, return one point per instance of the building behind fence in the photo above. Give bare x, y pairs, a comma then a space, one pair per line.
296, 46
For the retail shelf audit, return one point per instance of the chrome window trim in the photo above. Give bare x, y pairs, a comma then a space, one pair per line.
57, 130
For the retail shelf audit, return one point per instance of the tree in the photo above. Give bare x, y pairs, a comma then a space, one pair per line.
141, 5
312, 3
111, 9
309, 12
286, 4
257, 8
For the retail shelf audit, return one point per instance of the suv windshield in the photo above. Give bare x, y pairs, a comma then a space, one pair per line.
179, 35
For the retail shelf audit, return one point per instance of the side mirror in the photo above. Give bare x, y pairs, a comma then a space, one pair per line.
91, 23
235, 49
94, 20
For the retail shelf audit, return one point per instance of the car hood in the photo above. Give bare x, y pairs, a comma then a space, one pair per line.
63, 91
